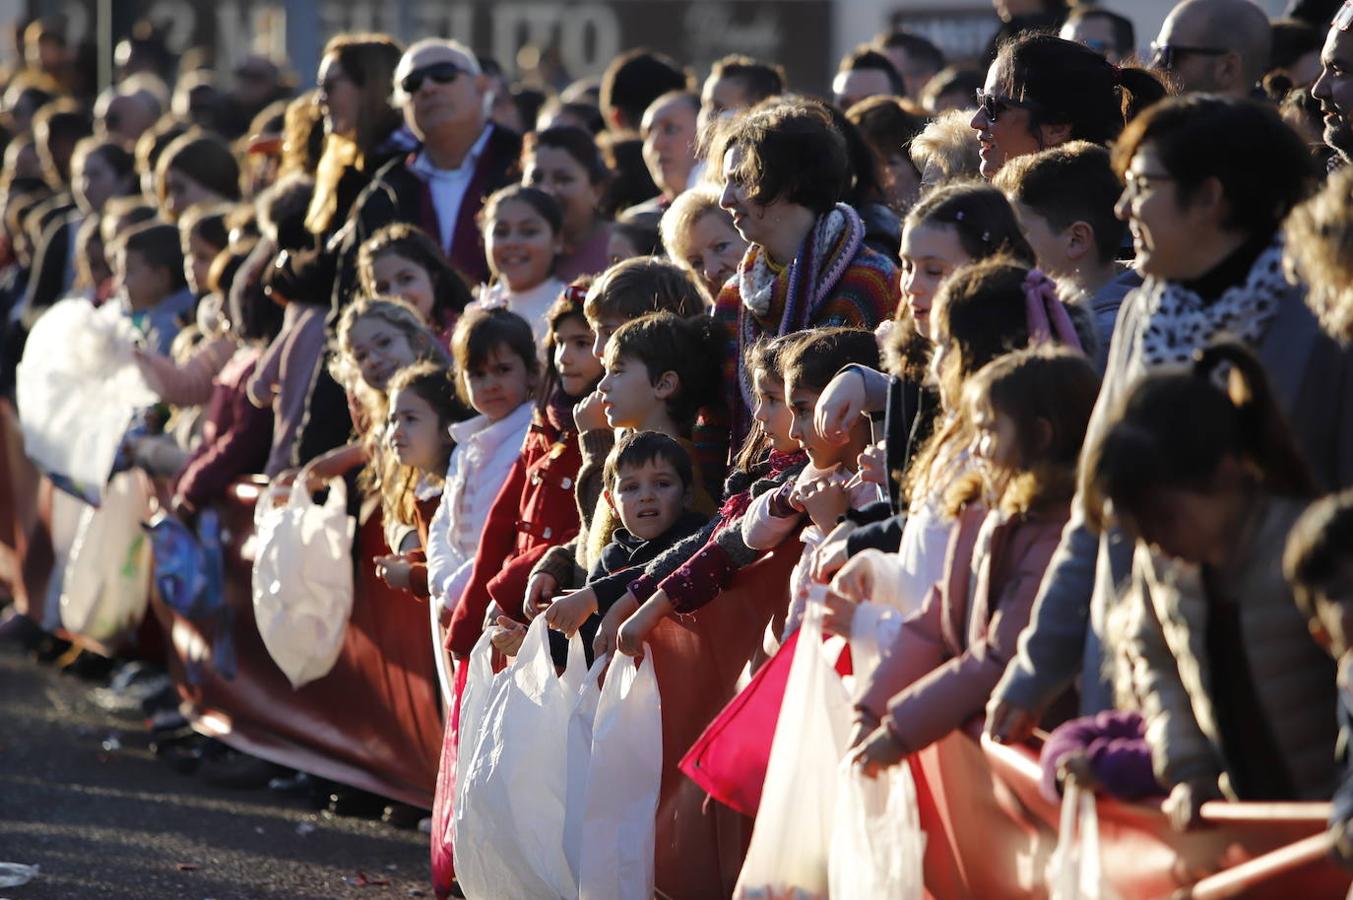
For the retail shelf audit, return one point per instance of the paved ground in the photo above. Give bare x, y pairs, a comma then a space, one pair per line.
119, 824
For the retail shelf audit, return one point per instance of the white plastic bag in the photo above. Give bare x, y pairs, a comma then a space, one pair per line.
877, 847
78, 387
624, 777
793, 830
107, 579
302, 581
1074, 871
509, 818
578, 756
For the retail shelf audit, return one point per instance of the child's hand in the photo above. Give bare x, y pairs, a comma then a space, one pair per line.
825, 500
637, 628
605, 640
569, 612
855, 581
539, 590
873, 467
1008, 723
1185, 804
589, 415
839, 615
832, 553
394, 571
878, 752
1075, 766
507, 636
839, 406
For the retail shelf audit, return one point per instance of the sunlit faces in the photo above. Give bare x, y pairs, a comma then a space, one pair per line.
522, 246
577, 366
713, 249
900, 180
649, 498
855, 85
95, 181
669, 143
631, 395
338, 98
1334, 90
930, 252
182, 191
756, 222
379, 350
557, 173
415, 432
1164, 232
398, 276
772, 410
602, 329
995, 437
1049, 246
197, 259
823, 454
1006, 136
437, 105
499, 385
143, 284
721, 96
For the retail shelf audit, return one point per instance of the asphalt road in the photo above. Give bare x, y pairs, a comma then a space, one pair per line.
117, 823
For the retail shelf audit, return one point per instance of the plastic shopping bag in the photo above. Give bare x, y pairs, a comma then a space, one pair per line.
1074, 871
509, 817
302, 581
620, 815
78, 388
578, 755
107, 581
793, 830
877, 846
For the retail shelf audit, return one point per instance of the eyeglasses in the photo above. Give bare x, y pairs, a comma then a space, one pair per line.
993, 105
1167, 56
442, 73
1135, 185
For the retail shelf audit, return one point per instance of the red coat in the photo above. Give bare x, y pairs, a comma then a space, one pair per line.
534, 511
418, 573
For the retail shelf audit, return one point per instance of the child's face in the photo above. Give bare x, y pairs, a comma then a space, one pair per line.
1050, 246
198, 256
1333, 628
578, 369
620, 248
500, 385
629, 396
648, 498
802, 404
415, 432
182, 191
404, 278
995, 439
772, 411
521, 245
380, 350
602, 329
929, 253
143, 284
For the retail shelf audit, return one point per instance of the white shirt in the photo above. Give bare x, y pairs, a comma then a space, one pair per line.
485, 452
448, 186
532, 305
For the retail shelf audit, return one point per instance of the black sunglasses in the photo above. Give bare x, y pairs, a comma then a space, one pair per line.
1167, 56
993, 105
442, 73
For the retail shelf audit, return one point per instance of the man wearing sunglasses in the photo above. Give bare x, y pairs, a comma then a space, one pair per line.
1214, 47
461, 159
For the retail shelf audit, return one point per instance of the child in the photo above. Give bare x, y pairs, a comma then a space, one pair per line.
1065, 200
535, 509
495, 356
423, 407
402, 261
149, 268
1318, 564
825, 489
683, 582
523, 234
1234, 692
202, 236
1027, 413
658, 368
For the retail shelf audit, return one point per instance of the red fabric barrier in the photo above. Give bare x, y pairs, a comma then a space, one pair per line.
374, 722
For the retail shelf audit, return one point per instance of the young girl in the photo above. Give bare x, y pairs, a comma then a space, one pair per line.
1027, 413
402, 261
565, 162
423, 407
535, 510
523, 233
202, 233
1235, 693
495, 357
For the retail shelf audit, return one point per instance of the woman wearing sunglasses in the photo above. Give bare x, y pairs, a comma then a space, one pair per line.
1043, 91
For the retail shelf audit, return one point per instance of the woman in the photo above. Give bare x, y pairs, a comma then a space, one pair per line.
699, 235
195, 168
888, 129
1043, 91
784, 170
564, 162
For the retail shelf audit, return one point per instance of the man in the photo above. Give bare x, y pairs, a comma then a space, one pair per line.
1214, 47
441, 186
916, 59
125, 112
634, 80
1101, 30
865, 73
1334, 87
736, 83
669, 146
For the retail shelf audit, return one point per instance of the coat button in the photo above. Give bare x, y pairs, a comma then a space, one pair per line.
566, 483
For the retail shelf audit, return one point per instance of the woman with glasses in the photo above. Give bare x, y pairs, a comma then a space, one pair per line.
1043, 91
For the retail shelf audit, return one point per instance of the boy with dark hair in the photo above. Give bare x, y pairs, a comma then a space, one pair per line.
148, 266
916, 59
1064, 198
864, 73
1101, 30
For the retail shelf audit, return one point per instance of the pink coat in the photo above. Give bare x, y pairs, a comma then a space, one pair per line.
946, 660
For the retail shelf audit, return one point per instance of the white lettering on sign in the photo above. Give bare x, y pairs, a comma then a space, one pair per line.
711, 32
587, 35
179, 18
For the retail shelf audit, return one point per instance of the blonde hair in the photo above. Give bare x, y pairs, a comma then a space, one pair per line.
688, 208
949, 146
1319, 252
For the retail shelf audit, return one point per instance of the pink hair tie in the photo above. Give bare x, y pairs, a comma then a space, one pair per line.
1047, 317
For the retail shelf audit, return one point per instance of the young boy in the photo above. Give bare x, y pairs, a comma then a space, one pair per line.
1318, 565
1065, 198
149, 270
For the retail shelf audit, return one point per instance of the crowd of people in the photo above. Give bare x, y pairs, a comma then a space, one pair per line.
1038, 364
